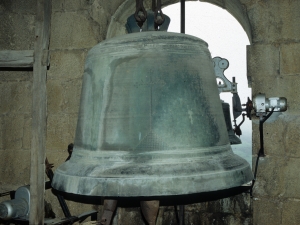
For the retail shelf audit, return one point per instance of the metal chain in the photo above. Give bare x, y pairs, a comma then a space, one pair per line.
159, 18
140, 13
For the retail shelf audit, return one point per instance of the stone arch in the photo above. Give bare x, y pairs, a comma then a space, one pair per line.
118, 20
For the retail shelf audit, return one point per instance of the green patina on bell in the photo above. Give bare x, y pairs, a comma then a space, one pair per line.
150, 122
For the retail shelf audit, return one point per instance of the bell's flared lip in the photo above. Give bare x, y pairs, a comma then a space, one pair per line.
117, 177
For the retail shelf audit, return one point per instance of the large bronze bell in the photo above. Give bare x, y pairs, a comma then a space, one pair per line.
150, 122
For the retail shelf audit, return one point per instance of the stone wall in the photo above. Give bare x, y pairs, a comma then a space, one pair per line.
16, 32
76, 26
273, 65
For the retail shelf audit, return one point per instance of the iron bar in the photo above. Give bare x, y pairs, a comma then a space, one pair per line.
181, 212
182, 27
261, 151
60, 198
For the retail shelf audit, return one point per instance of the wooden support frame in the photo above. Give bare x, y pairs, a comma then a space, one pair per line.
16, 59
39, 113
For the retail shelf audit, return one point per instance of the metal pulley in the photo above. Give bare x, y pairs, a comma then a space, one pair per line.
262, 105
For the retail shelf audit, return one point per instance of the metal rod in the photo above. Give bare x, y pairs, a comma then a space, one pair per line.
261, 137
176, 214
153, 5
261, 152
63, 206
182, 16
4, 194
60, 198
261, 132
181, 212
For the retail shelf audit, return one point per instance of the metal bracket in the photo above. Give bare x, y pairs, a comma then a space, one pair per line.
220, 65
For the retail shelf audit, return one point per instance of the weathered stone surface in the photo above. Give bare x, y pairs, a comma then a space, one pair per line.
77, 5
290, 136
169, 217
291, 212
1, 133
15, 76
68, 64
267, 211
57, 5
289, 59
74, 5
72, 93
15, 168
27, 129
70, 5
20, 6
291, 178
55, 94
16, 97
275, 21
100, 16
71, 30
263, 60
274, 143
129, 216
63, 96
16, 132
60, 131
214, 218
270, 177
18, 30
111, 6
289, 11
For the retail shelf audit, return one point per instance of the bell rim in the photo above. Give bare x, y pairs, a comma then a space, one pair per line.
235, 172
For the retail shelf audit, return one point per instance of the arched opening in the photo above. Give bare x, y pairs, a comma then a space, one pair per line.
127, 8
227, 39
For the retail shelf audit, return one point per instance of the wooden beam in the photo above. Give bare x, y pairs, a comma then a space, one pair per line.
39, 113
17, 59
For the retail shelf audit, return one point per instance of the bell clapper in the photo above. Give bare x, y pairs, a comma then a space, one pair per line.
150, 210
109, 208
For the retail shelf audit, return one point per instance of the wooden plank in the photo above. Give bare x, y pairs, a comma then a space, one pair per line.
17, 59
39, 113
